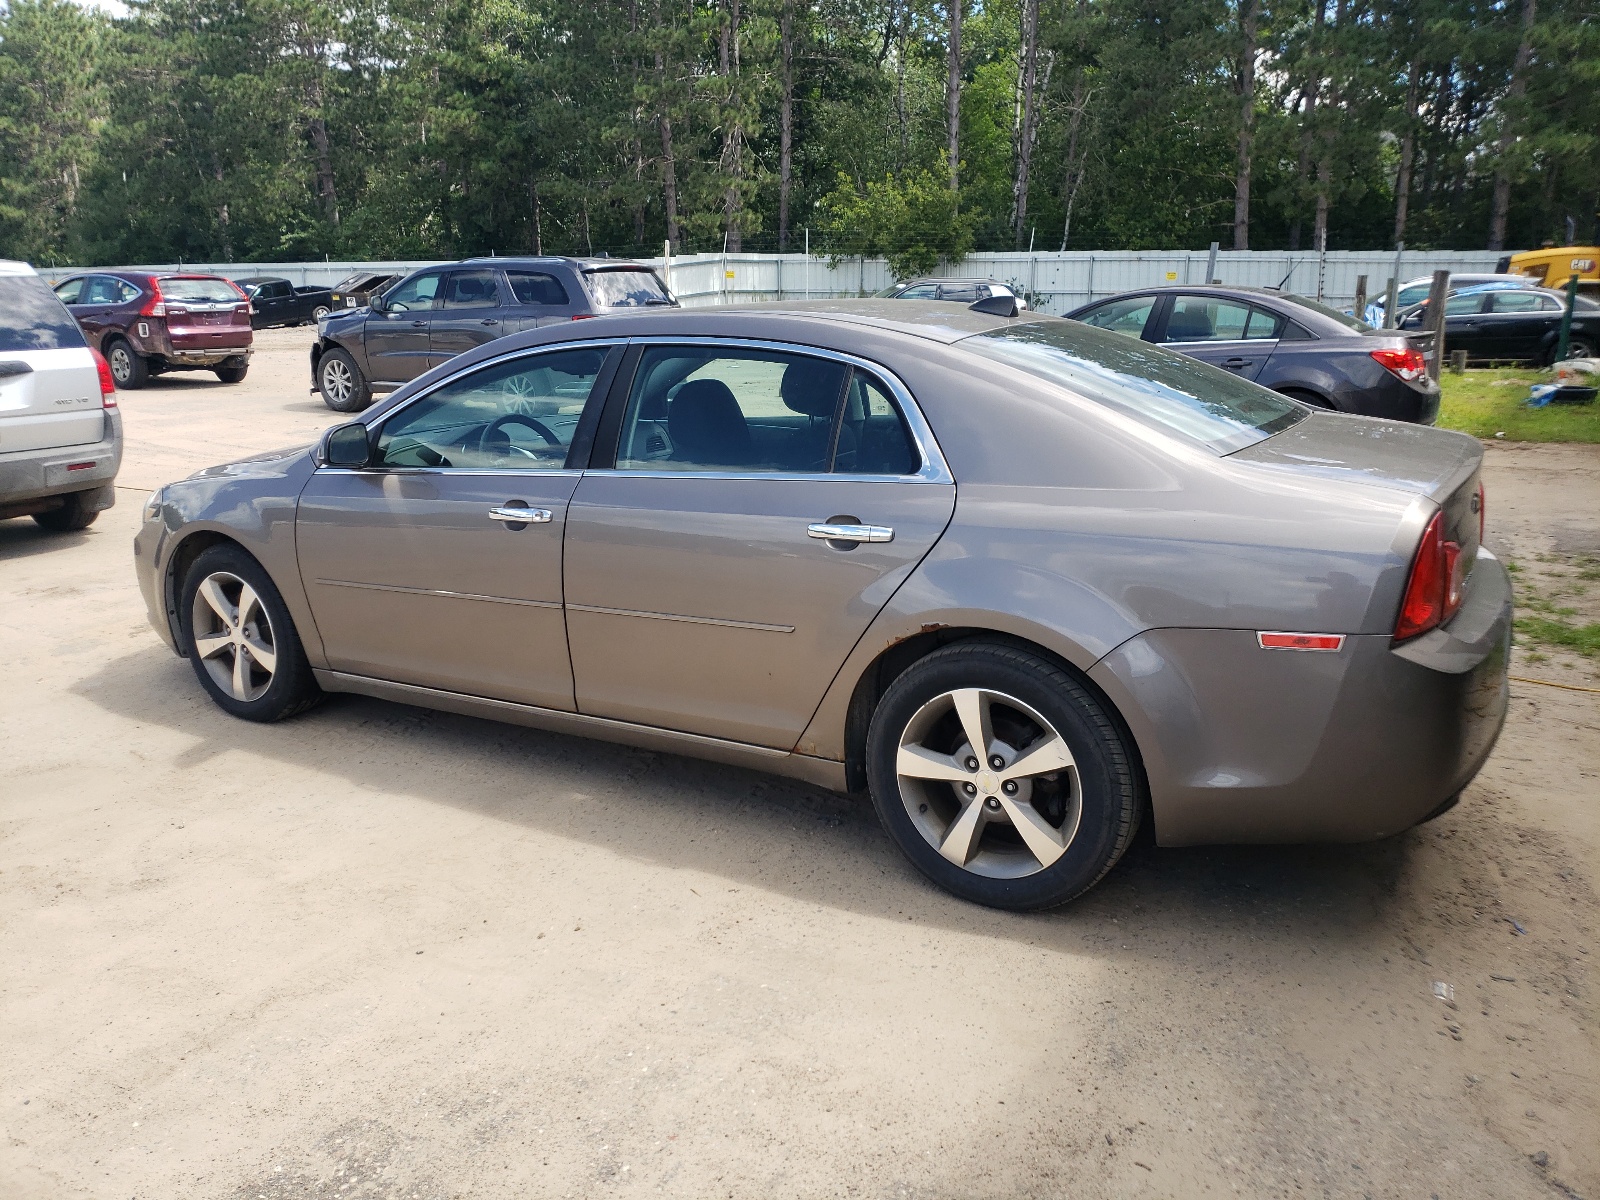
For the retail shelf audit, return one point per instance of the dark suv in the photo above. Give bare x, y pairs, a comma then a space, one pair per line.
147, 324
438, 312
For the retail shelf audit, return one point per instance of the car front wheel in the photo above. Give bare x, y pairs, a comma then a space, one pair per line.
341, 383
1001, 777
241, 640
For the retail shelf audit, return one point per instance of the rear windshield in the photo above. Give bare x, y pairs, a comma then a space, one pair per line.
198, 289
1167, 391
32, 317
1332, 314
626, 288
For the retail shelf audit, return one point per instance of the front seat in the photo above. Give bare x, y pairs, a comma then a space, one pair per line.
708, 427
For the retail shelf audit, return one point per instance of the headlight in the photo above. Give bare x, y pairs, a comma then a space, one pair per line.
152, 506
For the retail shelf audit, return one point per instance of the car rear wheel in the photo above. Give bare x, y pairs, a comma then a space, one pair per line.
1305, 397
341, 383
1001, 777
74, 514
320, 311
1582, 347
233, 374
128, 368
241, 640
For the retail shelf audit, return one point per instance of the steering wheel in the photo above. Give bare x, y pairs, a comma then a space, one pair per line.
500, 423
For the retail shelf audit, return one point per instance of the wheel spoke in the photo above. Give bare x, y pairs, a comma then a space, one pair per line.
208, 647
972, 706
1048, 754
241, 675
264, 655
918, 762
961, 839
211, 590
1043, 840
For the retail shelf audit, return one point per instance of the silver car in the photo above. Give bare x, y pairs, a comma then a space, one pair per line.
60, 431
1024, 581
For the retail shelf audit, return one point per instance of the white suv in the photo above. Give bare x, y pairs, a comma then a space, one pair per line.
60, 432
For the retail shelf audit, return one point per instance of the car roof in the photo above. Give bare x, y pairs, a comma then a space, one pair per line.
258, 279
549, 260
944, 279
10, 266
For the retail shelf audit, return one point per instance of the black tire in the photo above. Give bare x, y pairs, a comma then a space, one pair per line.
319, 312
233, 374
347, 392
1107, 791
72, 516
1581, 347
289, 687
129, 369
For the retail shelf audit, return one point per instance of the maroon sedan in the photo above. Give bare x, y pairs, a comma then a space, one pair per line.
148, 324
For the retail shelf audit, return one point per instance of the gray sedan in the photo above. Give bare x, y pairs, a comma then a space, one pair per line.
1026, 582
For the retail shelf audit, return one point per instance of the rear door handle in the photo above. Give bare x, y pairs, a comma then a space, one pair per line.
520, 516
850, 533
490, 321
1240, 362
419, 324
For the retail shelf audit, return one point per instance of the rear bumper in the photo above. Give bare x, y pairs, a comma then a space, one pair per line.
58, 470
1248, 745
1394, 399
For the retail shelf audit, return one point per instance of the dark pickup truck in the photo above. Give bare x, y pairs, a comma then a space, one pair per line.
279, 302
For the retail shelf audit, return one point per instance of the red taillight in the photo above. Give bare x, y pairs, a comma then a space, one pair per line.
582, 316
108, 385
155, 306
1433, 593
1409, 363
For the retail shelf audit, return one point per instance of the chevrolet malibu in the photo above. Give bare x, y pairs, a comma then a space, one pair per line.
1024, 581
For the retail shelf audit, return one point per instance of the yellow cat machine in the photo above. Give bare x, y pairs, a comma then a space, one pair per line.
1553, 267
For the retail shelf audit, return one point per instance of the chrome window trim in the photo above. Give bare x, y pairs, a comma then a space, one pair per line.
934, 467
451, 472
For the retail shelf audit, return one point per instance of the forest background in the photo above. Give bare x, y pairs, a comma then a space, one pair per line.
273, 130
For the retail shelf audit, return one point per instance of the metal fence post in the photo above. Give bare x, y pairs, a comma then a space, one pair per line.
1436, 298
1564, 344
1211, 265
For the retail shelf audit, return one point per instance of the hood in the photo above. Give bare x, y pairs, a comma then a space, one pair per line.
268, 462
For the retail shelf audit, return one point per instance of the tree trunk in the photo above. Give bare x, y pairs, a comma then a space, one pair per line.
669, 165
326, 193
733, 129
1025, 125
1502, 175
1313, 89
1408, 154
1074, 175
785, 121
1250, 11
952, 93
1319, 230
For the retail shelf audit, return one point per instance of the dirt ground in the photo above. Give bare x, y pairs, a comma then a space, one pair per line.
379, 951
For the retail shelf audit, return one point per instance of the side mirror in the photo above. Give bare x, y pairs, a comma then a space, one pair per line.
375, 303
347, 446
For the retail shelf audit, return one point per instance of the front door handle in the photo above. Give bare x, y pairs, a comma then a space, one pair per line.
490, 321
515, 515
850, 533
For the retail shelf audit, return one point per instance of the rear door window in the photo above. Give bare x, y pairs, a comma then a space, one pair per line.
1523, 302
32, 317
1206, 319
471, 289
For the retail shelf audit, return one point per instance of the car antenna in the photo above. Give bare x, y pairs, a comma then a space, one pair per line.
996, 306
1285, 279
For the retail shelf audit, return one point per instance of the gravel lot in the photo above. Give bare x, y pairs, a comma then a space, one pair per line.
378, 951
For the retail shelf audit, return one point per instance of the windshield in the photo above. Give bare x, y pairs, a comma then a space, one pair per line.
218, 290
1166, 391
32, 317
1344, 319
626, 288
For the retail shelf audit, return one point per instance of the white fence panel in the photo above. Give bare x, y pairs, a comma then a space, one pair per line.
1058, 281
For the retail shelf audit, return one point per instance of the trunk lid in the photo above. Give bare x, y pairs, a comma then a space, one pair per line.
49, 385
205, 313
1436, 463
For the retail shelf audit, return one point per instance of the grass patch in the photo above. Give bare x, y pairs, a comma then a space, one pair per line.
1486, 402
1584, 639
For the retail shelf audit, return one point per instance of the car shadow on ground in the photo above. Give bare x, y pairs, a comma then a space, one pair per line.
760, 831
23, 537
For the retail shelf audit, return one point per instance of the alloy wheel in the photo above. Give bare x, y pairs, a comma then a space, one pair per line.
121, 363
337, 383
989, 783
233, 636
